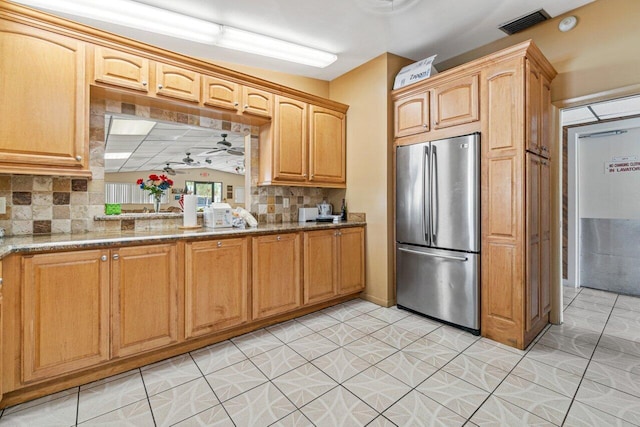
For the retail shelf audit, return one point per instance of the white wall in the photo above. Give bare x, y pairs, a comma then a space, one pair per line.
608, 195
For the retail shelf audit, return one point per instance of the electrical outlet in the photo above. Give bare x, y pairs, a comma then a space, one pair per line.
285, 202
3, 205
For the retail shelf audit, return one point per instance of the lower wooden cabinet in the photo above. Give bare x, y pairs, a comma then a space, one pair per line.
276, 286
65, 313
144, 298
333, 263
216, 285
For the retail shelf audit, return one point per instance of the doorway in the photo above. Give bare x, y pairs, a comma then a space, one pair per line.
601, 195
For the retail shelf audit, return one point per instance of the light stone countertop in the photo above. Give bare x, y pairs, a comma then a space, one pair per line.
63, 241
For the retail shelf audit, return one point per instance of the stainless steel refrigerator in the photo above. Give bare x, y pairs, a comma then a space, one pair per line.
438, 229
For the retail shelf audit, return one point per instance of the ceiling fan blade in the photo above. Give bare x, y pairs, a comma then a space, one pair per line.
236, 151
214, 151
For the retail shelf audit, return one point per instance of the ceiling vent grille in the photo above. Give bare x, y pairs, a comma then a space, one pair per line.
524, 22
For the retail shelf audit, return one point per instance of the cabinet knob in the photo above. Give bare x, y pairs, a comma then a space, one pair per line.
116, 256
235, 104
312, 175
425, 125
339, 233
159, 86
246, 106
278, 238
144, 83
219, 244
79, 158
103, 258
304, 174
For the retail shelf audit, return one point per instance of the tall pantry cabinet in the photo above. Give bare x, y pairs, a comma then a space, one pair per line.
506, 97
516, 199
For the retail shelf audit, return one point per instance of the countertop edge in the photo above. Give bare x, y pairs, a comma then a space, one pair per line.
60, 242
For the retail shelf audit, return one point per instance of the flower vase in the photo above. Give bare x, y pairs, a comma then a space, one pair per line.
156, 202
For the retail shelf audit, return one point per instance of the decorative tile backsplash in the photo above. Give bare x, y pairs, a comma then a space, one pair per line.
45, 204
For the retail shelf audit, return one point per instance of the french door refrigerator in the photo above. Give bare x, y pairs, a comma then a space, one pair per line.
438, 229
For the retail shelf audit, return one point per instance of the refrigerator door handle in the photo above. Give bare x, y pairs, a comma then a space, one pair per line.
426, 205
433, 226
450, 257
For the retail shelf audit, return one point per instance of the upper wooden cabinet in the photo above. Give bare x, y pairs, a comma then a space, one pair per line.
456, 102
216, 285
144, 298
257, 102
538, 102
220, 93
276, 276
121, 69
44, 106
411, 114
65, 317
176, 82
327, 146
303, 146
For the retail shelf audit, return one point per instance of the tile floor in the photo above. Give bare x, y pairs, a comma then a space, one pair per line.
357, 364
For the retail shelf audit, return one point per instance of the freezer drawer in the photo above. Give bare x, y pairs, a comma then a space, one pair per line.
440, 284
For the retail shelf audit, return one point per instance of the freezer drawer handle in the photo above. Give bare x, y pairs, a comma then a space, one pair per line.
455, 258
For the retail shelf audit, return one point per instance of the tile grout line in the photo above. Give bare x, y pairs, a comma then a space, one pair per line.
144, 384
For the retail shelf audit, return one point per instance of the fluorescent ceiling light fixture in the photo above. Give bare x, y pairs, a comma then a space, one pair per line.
149, 18
116, 156
130, 127
246, 41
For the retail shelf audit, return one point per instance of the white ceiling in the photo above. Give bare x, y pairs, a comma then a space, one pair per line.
356, 30
169, 143
605, 110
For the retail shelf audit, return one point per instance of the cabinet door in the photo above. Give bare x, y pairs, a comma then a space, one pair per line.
220, 93
411, 115
44, 102
545, 118
175, 82
65, 313
216, 285
290, 140
276, 286
545, 237
533, 285
256, 102
456, 102
534, 111
320, 265
121, 69
327, 146
144, 298
351, 271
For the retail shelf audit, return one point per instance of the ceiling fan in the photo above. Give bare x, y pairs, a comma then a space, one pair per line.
171, 171
188, 161
225, 146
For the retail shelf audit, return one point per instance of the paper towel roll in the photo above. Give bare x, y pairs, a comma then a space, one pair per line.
189, 218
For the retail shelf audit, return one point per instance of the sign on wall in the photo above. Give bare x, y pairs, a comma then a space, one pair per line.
622, 164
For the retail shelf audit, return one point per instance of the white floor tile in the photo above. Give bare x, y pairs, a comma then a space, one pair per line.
217, 356
137, 414
56, 412
235, 380
581, 415
370, 349
257, 342
416, 409
609, 400
109, 396
493, 355
476, 372
408, 369
379, 389
182, 402
341, 364
304, 384
212, 417
276, 362
460, 396
338, 407
170, 373
261, 406
496, 412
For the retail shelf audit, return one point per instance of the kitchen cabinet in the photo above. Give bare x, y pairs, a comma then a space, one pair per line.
327, 146
65, 313
121, 69
305, 145
177, 82
516, 202
333, 263
276, 276
411, 114
216, 285
456, 102
43, 95
144, 298
256, 102
220, 93
538, 102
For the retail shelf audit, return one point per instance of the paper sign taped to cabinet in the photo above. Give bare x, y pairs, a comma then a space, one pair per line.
415, 72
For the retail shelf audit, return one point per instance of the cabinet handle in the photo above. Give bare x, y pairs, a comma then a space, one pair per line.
116, 256
159, 86
103, 258
219, 244
144, 83
79, 158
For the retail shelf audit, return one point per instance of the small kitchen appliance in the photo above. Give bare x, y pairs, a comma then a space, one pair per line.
307, 214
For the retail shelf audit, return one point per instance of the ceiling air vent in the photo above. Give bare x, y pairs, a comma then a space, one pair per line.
524, 22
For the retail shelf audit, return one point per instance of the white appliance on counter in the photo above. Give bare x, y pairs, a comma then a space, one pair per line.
307, 214
218, 215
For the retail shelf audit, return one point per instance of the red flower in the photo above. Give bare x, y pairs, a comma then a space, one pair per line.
163, 177
140, 181
154, 177
170, 182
